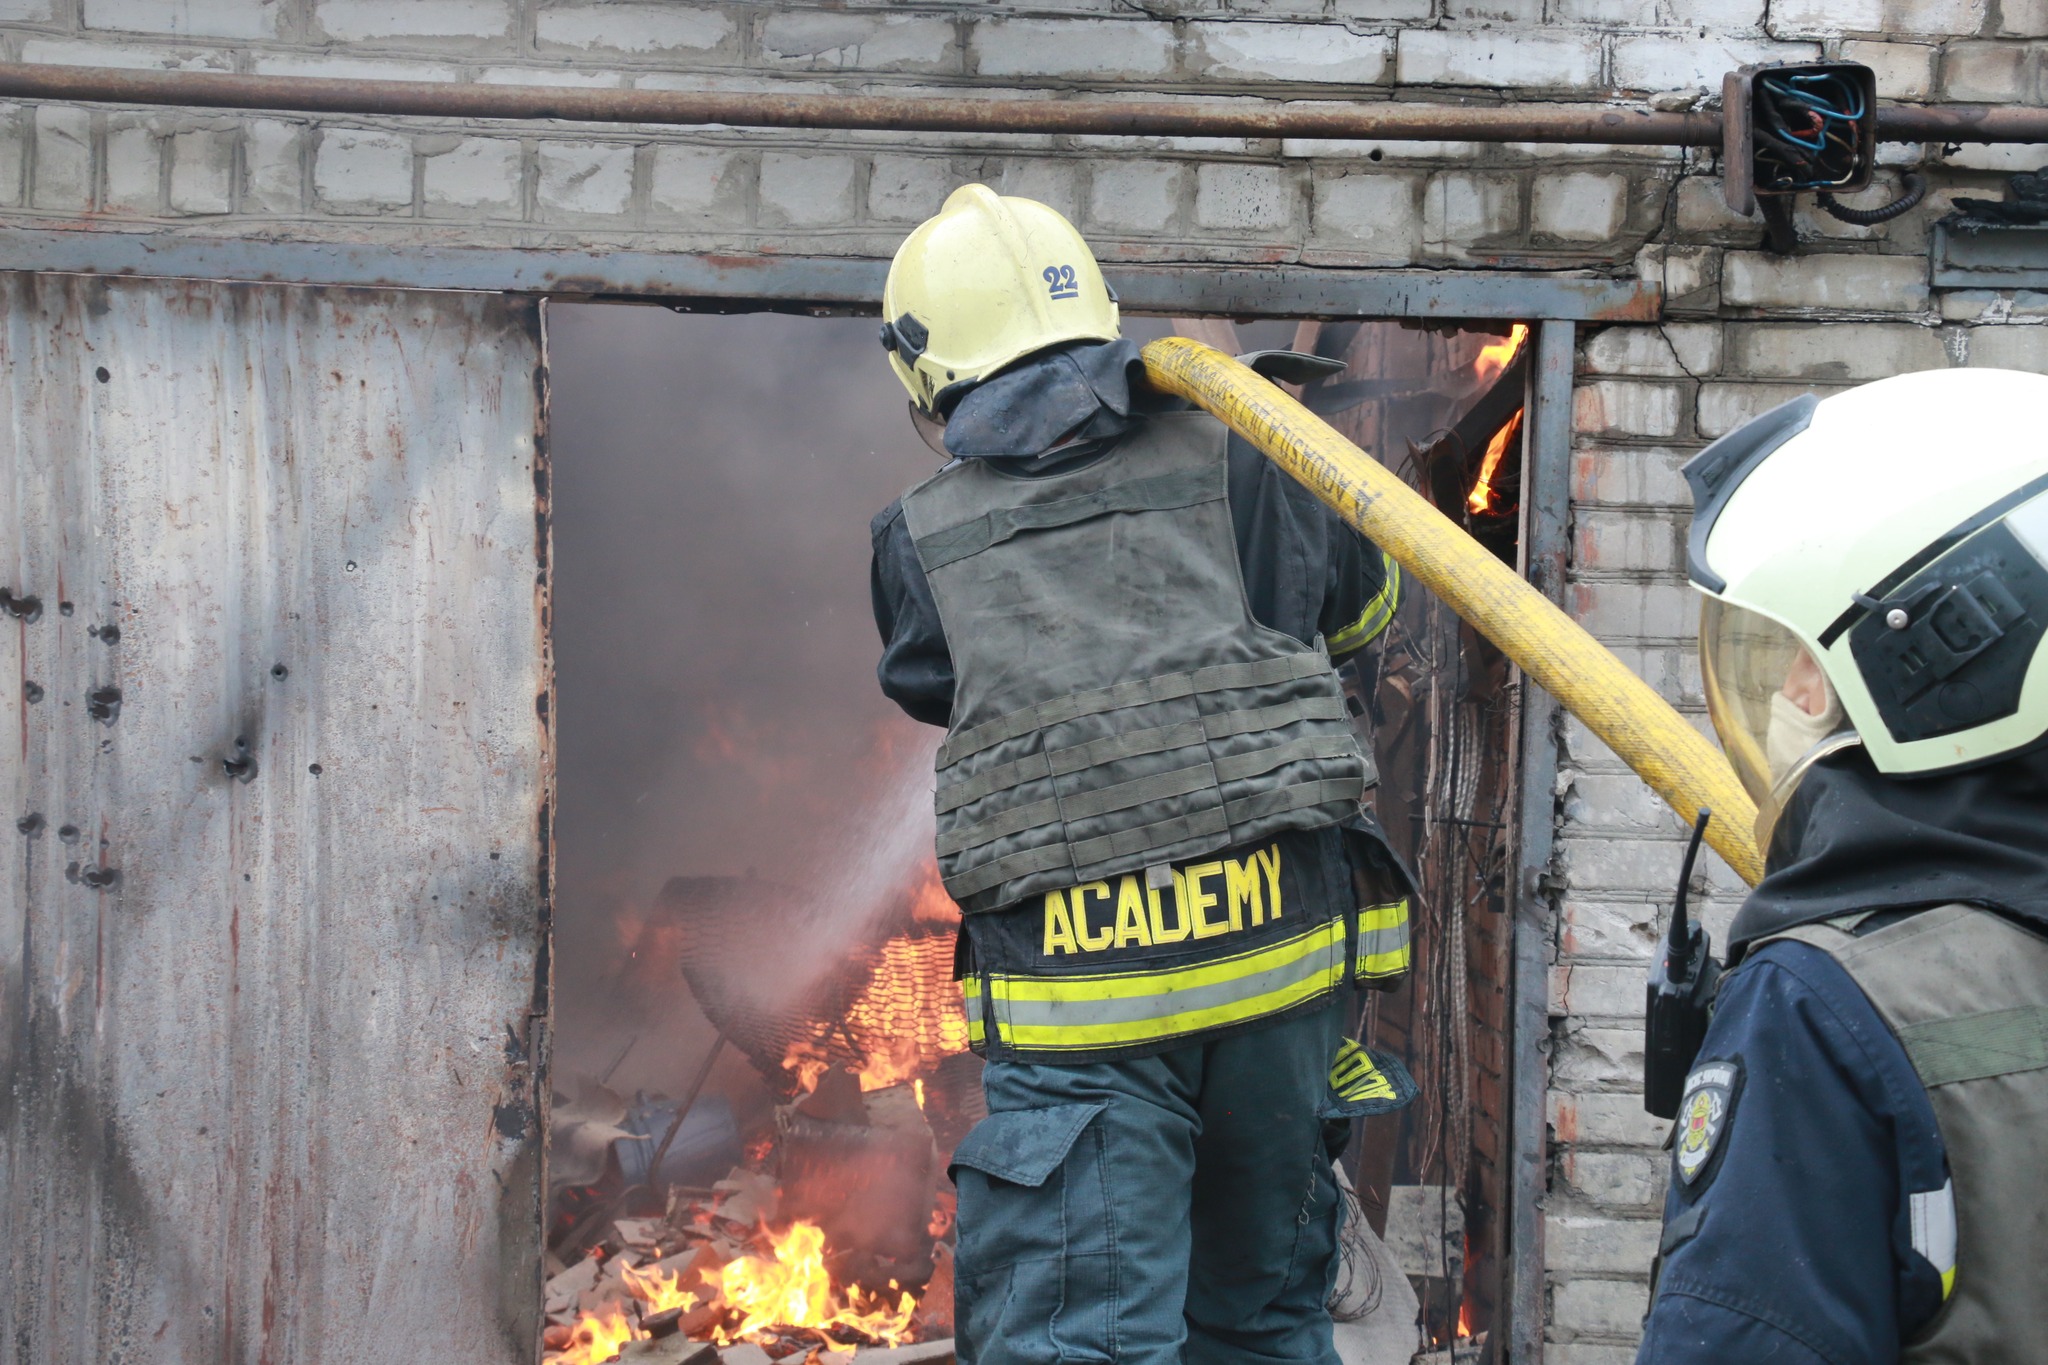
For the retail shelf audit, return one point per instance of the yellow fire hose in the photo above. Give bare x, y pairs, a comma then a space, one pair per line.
1584, 676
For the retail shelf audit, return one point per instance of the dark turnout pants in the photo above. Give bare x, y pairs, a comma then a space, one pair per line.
1168, 1208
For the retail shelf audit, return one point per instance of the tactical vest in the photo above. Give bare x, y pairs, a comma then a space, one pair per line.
1115, 707
1966, 991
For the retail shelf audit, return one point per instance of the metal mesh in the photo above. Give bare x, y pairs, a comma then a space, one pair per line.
885, 1004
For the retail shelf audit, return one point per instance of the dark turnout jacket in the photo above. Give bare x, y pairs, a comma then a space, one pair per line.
1305, 574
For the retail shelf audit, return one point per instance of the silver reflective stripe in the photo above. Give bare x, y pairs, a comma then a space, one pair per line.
1374, 942
1933, 1216
1383, 938
1105, 1010
1079, 1010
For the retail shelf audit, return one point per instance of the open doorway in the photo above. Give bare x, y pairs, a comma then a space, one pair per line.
760, 1063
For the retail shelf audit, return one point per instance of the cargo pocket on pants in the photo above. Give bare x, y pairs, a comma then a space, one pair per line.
1035, 1270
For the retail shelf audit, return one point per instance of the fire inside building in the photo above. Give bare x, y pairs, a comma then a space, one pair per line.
762, 1060
469, 897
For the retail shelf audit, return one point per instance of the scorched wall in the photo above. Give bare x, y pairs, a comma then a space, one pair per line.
1741, 330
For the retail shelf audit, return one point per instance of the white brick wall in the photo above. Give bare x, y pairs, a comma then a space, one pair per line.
471, 176
202, 173
186, 18
583, 179
362, 171
635, 30
1742, 329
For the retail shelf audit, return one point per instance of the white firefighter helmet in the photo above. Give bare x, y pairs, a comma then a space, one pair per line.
987, 281
1875, 565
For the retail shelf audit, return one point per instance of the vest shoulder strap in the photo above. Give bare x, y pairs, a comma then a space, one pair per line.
1896, 964
1159, 493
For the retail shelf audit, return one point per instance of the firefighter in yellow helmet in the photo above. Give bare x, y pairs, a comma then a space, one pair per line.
1150, 809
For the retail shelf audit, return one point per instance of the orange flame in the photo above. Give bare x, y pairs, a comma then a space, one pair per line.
929, 902
658, 1290
598, 1338
1482, 496
788, 1288
792, 1288
1496, 356
1464, 1320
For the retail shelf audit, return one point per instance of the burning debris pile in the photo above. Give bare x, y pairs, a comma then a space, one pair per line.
832, 1233
835, 1237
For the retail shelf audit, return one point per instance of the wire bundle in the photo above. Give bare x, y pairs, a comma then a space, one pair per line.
1807, 130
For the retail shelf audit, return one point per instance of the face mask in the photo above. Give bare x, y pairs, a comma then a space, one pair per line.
1792, 732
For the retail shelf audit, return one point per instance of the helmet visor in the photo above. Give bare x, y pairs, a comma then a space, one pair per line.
931, 430
1770, 702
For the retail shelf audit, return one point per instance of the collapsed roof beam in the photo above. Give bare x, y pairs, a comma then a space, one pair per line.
1378, 120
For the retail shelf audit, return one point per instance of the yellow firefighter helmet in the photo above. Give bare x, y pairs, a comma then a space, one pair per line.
987, 281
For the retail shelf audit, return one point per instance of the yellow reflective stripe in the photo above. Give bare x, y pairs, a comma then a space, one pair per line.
1375, 965
970, 1002
1377, 613
1125, 1008
1054, 1036
1382, 917
1133, 985
1383, 946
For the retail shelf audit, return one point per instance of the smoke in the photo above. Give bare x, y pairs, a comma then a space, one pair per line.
718, 715
717, 710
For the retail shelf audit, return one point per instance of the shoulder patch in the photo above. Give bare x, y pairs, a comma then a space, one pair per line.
1710, 1094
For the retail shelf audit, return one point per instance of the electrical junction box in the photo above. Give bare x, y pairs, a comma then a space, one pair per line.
1796, 127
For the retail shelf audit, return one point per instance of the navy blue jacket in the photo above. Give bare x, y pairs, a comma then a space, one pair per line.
1793, 1244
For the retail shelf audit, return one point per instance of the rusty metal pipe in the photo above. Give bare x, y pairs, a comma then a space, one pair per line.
1385, 120
1962, 123
1382, 120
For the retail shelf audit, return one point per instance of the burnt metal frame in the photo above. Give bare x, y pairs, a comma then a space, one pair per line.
1553, 303
817, 284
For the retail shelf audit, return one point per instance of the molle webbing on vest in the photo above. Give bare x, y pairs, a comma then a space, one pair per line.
1202, 682
1115, 704
1966, 991
1160, 493
1079, 809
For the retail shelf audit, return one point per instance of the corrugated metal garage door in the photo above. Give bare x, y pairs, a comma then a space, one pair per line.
273, 926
